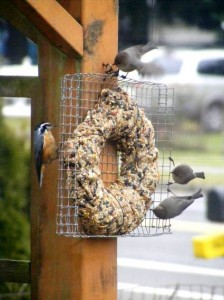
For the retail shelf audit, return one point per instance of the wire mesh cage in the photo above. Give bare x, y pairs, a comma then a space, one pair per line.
80, 94
172, 292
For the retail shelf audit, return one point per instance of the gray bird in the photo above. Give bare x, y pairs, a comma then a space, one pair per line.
175, 205
130, 59
183, 173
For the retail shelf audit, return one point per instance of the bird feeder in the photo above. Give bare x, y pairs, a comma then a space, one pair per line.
80, 94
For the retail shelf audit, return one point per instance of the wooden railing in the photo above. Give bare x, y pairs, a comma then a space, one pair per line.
14, 271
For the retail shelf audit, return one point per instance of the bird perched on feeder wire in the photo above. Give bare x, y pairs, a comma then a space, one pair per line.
183, 173
129, 59
45, 149
175, 205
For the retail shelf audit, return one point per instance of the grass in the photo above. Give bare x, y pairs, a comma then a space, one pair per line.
199, 142
206, 159
21, 126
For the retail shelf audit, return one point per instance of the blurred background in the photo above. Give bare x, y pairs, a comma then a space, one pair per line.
189, 36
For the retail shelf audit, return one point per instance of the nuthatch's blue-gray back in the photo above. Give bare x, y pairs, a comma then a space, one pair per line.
45, 149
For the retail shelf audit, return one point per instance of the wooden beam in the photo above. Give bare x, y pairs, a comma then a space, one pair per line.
69, 268
73, 8
14, 271
55, 23
99, 19
15, 86
53, 271
98, 268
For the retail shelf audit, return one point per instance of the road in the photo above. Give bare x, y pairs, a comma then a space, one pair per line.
147, 263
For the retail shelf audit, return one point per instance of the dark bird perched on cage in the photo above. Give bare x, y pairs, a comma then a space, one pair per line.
183, 173
175, 205
130, 59
45, 149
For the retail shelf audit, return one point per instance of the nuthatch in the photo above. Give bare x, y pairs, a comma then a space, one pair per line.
175, 205
45, 149
130, 59
183, 173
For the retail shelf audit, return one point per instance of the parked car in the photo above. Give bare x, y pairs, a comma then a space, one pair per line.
197, 77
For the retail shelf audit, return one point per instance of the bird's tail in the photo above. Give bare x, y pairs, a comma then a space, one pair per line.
200, 175
197, 194
43, 167
41, 179
148, 47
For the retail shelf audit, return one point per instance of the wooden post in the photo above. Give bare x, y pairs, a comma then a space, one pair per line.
65, 268
70, 268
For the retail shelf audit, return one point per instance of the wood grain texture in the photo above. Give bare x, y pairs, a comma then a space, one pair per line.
67, 268
54, 22
52, 256
100, 24
99, 20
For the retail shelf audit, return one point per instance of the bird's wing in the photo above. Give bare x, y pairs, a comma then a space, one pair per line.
135, 50
183, 204
190, 177
196, 195
148, 47
38, 151
175, 205
139, 50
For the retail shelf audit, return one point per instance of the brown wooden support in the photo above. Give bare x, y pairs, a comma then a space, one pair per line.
54, 22
66, 268
70, 268
99, 20
100, 23
51, 256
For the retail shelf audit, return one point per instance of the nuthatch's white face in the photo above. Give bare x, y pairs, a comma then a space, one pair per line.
43, 127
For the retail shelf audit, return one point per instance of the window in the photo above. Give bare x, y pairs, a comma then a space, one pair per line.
211, 67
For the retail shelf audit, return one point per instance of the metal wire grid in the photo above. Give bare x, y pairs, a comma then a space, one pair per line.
173, 292
80, 93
